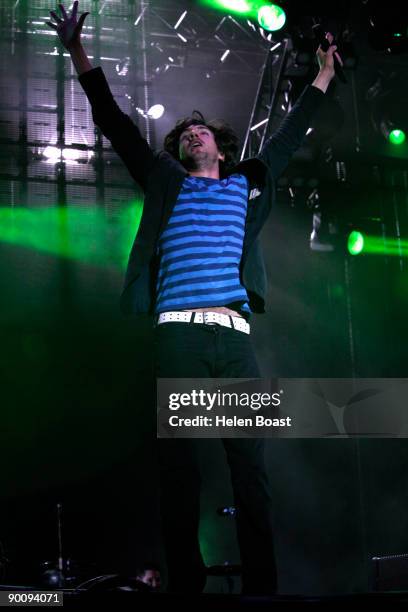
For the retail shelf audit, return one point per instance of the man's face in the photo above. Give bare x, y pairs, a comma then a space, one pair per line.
197, 143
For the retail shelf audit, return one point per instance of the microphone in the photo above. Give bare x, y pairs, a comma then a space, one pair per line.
320, 36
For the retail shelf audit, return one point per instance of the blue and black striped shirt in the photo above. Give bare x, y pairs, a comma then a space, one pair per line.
201, 247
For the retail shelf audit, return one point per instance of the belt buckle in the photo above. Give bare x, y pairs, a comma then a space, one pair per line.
206, 321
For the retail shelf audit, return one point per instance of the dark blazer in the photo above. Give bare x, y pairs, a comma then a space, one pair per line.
161, 176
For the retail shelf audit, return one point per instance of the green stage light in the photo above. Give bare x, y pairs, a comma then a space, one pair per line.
238, 6
271, 17
389, 247
397, 137
85, 234
355, 243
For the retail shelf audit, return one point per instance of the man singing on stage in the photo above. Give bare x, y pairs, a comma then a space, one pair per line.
197, 268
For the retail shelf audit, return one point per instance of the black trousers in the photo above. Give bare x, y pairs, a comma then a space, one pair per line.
190, 350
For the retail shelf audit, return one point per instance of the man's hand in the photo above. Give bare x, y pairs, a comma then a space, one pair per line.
326, 64
326, 59
68, 28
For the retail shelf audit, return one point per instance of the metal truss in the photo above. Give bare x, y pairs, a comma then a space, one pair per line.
193, 29
43, 107
267, 99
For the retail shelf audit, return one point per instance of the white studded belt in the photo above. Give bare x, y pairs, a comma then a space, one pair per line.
206, 318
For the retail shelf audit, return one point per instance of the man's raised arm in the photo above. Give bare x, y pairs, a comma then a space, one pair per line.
69, 30
114, 124
280, 147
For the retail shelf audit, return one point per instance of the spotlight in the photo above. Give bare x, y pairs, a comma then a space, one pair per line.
360, 236
355, 242
388, 108
396, 137
237, 6
52, 153
156, 111
70, 154
271, 17
392, 122
330, 234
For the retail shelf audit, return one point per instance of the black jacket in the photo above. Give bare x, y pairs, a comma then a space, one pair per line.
161, 176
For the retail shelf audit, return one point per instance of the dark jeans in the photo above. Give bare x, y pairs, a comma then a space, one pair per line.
190, 350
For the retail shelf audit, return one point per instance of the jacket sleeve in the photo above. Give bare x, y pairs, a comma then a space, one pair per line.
280, 147
117, 126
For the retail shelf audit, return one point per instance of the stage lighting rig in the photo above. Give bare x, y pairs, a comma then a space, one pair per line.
387, 25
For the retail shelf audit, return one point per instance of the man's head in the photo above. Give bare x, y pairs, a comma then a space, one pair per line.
195, 141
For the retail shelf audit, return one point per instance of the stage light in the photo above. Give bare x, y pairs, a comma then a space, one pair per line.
328, 236
392, 122
397, 137
387, 25
122, 67
52, 153
271, 17
74, 232
238, 6
388, 109
242, 7
156, 111
375, 244
70, 156
355, 243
